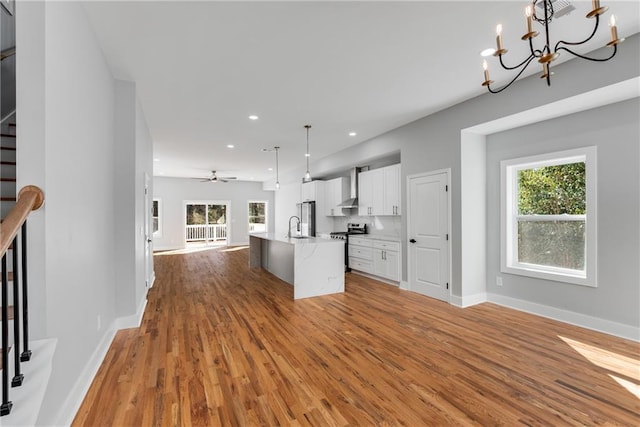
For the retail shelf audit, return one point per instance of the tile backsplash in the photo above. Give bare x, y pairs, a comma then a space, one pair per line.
376, 225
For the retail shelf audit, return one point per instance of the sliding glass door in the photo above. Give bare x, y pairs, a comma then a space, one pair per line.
206, 222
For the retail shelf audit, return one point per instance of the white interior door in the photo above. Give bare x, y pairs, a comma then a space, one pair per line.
428, 234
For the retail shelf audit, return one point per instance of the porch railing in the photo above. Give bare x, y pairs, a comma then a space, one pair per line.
13, 238
206, 232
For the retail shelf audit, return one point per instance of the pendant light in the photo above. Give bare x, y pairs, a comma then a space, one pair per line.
307, 175
277, 168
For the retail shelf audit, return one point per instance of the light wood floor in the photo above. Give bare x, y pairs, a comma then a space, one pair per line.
224, 345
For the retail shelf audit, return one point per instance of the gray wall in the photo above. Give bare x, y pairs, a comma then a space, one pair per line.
173, 192
614, 130
434, 142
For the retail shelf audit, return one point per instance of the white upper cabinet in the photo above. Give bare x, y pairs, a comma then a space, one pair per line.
392, 190
379, 191
308, 192
336, 191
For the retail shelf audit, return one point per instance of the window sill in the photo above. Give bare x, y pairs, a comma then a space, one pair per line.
552, 276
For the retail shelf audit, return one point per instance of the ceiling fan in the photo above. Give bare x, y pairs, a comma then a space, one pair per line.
215, 178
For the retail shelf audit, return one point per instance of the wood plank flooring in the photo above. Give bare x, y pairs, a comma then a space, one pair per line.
223, 345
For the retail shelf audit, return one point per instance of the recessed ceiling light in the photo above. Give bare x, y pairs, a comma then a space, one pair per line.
230, 145
307, 155
253, 117
270, 169
488, 52
156, 160
352, 134
160, 173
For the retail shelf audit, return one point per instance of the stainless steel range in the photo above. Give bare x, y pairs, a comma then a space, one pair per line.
352, 228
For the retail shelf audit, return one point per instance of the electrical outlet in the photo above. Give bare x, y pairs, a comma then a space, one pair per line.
498, 280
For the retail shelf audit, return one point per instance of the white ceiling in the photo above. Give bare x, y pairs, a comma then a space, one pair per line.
203, 67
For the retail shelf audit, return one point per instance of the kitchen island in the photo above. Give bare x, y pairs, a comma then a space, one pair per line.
314, 266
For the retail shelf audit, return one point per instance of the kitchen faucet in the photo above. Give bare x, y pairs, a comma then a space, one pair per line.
297, 226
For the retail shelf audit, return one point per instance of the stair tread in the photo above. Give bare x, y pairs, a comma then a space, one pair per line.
8, 135
7, 163
7, 199
7, 179
8, 148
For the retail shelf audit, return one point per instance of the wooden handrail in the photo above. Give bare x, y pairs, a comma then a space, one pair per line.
7, 53
30, 198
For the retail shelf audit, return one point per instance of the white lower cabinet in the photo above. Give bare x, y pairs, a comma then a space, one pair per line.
377, 257
360, 254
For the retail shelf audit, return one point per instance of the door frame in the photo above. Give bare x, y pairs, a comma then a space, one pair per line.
447, 172
227, 203
148, 233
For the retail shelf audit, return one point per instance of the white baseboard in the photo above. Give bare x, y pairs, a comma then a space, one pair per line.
469, 300
72, 403
132, 321
404, 285
585, 321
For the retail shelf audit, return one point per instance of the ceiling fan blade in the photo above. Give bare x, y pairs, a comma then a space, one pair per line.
227, 177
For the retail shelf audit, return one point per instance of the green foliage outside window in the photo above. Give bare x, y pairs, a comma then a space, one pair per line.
206, 214
552, 190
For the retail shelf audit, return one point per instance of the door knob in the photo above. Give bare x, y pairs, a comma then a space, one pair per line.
412, 240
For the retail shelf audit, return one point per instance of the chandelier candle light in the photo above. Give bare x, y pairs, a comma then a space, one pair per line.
546, 55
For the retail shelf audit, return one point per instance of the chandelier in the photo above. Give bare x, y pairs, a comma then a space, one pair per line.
546, 55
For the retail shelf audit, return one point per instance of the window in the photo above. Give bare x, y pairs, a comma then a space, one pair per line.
155, 214
257, 217
549, 216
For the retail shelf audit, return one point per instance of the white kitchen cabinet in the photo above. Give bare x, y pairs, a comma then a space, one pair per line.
378, 257
370, 192
386, 259
336, 191
360, 254
379, 191
391, 190
309, 191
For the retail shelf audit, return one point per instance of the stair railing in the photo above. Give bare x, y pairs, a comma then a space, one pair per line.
7, 53
30, 198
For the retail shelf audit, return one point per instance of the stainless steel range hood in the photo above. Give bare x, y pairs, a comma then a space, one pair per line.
352, 201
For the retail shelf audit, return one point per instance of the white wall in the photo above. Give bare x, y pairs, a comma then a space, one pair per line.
173, 192
68, 108
134, 158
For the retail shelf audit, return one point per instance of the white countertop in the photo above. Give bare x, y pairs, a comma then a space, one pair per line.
295, 241
386, 238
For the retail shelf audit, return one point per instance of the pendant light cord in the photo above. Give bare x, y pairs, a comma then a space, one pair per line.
308, 174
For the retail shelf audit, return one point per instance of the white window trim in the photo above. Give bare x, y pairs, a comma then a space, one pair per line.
266, 216
509, 211
157, 233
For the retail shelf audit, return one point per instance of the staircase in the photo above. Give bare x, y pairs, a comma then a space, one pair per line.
7, 166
